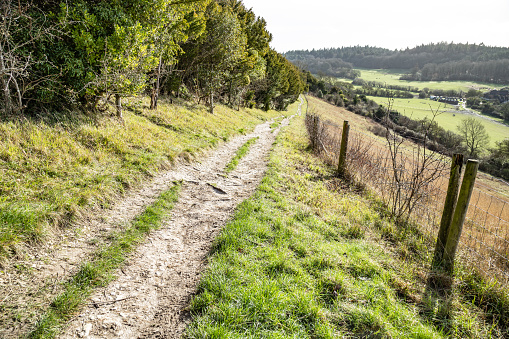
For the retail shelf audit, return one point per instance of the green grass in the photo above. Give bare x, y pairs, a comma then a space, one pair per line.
55, 169
391, 77
420, 108
241, 152
277, 122
309, 256
100, 270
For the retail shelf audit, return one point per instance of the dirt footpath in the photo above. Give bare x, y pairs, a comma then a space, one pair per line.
150, 296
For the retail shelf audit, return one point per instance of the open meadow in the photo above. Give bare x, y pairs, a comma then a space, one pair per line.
391, 77
448, 118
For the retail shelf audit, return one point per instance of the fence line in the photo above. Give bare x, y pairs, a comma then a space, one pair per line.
485, 238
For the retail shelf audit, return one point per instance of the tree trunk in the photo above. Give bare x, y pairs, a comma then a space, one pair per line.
5, 85
118, 105
153, 98
155, 90
20, 97
211, 103
7, 97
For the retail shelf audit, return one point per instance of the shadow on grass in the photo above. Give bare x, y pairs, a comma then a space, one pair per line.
65, 118
75, 117
437, 301
489, 297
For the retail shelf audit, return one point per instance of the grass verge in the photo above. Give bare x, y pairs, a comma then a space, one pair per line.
310, 256
100, 270
54, 169
241, 152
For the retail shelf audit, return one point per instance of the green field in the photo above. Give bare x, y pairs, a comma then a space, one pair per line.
420, 108
391, 77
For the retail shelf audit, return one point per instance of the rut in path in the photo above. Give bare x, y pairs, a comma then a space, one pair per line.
149, 298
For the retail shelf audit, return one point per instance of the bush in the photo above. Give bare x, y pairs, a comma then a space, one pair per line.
378, 130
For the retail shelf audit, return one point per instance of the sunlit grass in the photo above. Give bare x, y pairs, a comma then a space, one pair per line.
241, 152
53, 170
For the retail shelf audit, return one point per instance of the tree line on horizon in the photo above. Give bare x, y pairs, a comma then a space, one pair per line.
81, 54
428, 62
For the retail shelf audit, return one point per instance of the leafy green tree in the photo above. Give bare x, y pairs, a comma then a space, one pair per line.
110, 48
502, 149
211, 59
177, 24
252, 69
283, 82
497, 162
104, 50
127, 40
472, 93
474, 136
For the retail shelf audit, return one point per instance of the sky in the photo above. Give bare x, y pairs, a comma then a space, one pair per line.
393, 24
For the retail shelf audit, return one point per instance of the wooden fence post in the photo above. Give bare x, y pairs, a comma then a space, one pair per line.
448, 211
343, 148
460, 213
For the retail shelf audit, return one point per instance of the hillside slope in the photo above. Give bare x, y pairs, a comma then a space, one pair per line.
431, 62
313, 256
127, 186
57, 169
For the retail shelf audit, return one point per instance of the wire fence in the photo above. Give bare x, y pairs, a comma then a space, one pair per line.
391, 172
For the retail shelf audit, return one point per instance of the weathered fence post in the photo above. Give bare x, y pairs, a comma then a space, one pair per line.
343, 148
460, 213
448, 211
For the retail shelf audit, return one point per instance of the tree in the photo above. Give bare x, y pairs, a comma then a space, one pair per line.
107, 48
209, 61
504, 110
282, 83
472, 93
250, 71
474, 136
125, 41
176, 25
502, 149
91, 54
12, 64
22, 26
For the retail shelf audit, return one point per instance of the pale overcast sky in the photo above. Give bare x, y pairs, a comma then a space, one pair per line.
394, 24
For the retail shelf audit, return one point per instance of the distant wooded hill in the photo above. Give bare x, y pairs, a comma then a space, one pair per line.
433, 62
